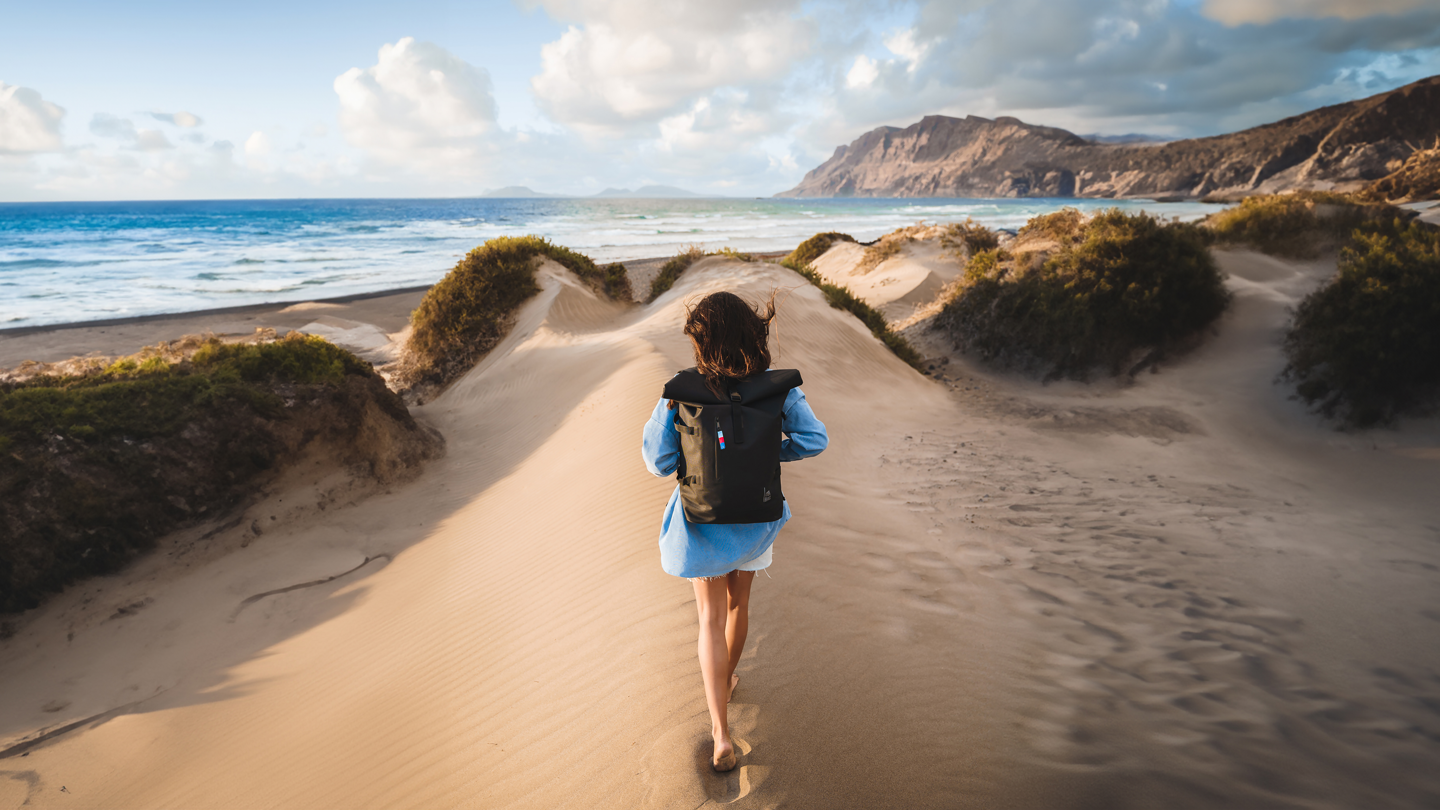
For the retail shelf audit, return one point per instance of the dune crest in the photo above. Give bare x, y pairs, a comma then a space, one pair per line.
993, 594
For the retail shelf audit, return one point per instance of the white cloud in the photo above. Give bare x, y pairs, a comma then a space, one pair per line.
152, 139
863, 73
179, 119
113, 126
1239, 12
257, 145
28, 123
903, 45
626, 66
419, 106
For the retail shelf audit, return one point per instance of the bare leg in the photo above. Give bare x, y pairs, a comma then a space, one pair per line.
711, 602
737, 620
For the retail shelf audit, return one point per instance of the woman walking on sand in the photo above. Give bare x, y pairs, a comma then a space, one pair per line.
718, 428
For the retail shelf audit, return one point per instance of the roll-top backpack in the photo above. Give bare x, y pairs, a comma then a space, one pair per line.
730, 446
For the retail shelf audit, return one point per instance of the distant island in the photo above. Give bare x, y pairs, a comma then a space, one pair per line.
1341, 148
517, 192
648, 192
641, 193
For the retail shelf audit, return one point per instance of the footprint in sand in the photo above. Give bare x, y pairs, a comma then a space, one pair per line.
677, 771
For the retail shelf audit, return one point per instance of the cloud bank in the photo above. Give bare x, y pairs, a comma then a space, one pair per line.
28, 123
744, 97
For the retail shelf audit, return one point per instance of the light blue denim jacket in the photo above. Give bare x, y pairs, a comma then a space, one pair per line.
713, 549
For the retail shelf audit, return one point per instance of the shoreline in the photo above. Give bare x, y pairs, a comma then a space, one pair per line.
387, 309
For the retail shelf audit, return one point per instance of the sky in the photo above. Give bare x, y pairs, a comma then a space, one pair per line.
186, 100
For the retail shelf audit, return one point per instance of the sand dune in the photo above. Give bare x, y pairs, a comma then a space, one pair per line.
898, 286
1181, 593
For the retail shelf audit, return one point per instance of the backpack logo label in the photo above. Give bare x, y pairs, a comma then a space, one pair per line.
721, 434
766, 499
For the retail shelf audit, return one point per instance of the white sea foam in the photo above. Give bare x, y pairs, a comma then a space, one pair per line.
68, 262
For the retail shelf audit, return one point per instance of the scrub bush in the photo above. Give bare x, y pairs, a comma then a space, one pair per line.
469, 310
96, 466
1118, 286
670, 271
814, 247
1365, 347
1299, 225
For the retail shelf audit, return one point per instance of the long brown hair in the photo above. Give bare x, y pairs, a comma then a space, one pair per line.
731, 339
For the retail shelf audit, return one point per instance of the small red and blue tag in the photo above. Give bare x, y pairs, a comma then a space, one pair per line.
721, 434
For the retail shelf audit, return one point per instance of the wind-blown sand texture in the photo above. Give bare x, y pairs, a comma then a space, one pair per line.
1181, 593
898, 285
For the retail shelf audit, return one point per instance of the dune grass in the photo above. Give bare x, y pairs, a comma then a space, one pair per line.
1119, 285
813, 248
671, 271
841, 298
970, 235
95, 466
1365, 347
1300, 225
464, 315
1065, 227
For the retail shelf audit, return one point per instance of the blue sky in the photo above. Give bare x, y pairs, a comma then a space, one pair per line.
165, 100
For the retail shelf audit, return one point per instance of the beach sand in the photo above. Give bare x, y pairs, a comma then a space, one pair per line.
1183, 592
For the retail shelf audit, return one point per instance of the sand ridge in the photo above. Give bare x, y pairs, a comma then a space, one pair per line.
1183, 592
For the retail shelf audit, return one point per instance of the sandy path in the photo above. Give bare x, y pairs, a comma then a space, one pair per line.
1180, 594
522, 647
1236, 605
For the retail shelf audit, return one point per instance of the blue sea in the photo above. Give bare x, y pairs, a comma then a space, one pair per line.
70, 262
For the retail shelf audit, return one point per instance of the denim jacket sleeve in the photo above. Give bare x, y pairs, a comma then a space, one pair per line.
805, 435
660, 446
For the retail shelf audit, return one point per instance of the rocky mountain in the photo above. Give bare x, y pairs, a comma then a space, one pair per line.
1341, 147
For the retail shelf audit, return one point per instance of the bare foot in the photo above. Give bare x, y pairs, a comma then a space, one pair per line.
734, 682
724, 758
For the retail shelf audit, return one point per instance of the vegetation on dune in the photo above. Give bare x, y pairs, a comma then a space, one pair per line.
671, 271
813, 248
464, 315
1118, 286
1300, 225
95, 466
1366, 346
970, 236
1065, 227
841, 298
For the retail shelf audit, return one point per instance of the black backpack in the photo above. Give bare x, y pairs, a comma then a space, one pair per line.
730, 446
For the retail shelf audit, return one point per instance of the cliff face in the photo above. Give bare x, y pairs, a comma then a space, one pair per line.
1340, 147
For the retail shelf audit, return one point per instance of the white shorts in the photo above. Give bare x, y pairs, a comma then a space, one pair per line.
759, 563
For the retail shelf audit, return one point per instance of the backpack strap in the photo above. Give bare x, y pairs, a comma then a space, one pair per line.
736, 422
689, 386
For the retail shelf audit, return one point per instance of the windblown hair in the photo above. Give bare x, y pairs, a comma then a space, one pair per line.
731, 339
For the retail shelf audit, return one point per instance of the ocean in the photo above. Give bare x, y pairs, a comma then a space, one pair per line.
71, 262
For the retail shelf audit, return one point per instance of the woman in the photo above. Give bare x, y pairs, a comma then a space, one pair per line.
731, 344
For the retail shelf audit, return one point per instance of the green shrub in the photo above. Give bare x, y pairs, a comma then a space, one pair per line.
813, 248
671, 270
1301, 224
156, 398
1366, 346
841, 298
732, 253
1066, 226
464, 315
1128, 283
973, 236
96, 466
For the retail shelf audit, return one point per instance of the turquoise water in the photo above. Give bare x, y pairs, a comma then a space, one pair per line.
67, 262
